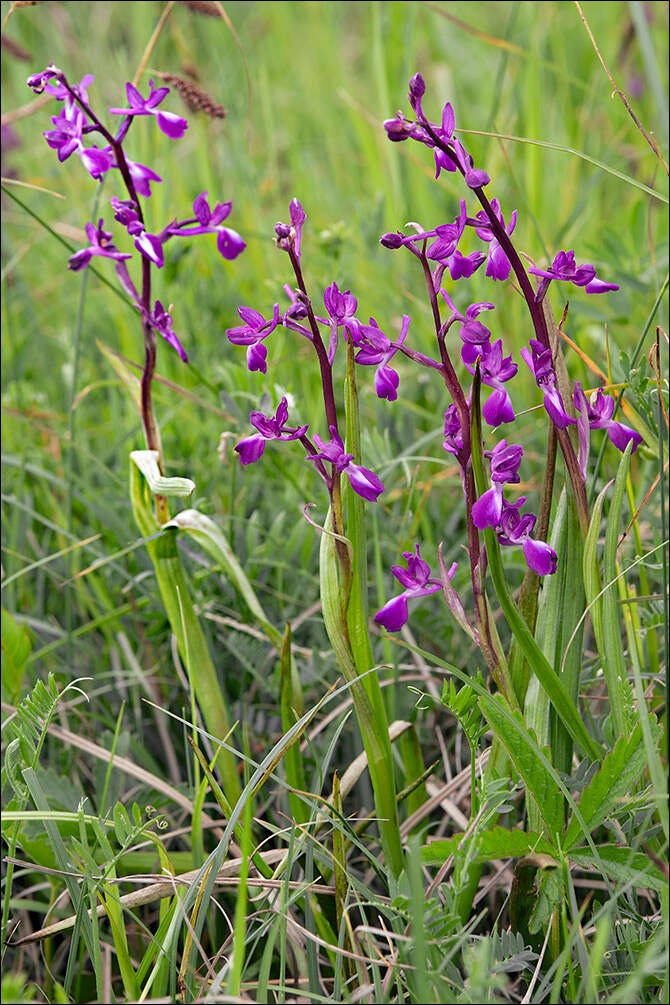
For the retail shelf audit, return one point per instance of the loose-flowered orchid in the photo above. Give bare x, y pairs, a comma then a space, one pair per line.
376, 349
497, 264
598, 409
101, 244
541, 365
504, 462
417, 581
269, 428
565, 269
209, 221
364, 482
252, 334
171, 124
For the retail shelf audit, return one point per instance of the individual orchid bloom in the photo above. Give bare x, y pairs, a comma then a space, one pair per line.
149, 245
67, 138
37, 82
516, 529
364, 482
289, 236
475, 335
209, 221
497, 265
453, 434
377, 350
474, 177
583, 427
169, 123
417, 581
496, 370
564, 269
269, 428
599, 412
541, 365
252, 334
161, 320
341, 308
504, 462
100, 244
142, 177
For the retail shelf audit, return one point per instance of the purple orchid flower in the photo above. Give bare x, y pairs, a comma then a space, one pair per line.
399, 129
364, 482
269, 428
504, 462
496, 370
61, 93
208, 221
444, 248
417, 581
453, 434
67, 138
516, 529
341, 308
253, 333
142, 176
497, 266
161, 320
541, 365
100, 244
169, 123
149, 245
475, 335
377, 350
564, 269
37, 82
598, 410
290, 235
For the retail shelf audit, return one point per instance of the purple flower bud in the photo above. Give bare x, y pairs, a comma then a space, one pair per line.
392, 241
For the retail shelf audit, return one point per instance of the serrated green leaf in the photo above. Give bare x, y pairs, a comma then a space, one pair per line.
622, 864
613, 781
522, 747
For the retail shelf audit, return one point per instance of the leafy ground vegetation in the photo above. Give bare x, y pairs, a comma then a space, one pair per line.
334, 550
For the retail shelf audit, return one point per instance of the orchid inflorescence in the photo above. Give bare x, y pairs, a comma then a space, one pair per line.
438, 253
74, 129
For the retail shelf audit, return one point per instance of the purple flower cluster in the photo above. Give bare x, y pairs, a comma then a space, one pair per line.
439, 252
72, 130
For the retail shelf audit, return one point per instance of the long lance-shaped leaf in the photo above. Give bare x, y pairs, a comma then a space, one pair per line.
185, 625
374, 732
537, 661
618, 686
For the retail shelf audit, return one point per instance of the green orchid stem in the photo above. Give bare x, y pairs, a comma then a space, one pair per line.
537, 662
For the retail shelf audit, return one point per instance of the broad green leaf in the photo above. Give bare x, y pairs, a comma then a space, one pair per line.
499, 842
522, 747
612, 782
16, 648
623, 864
